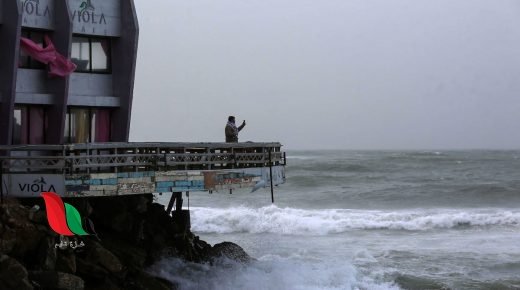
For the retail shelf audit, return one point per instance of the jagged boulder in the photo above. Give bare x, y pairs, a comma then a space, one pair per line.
145, 281
231, 251
20, 236
131, 256
57, 280
47, 254
66, 261
13, 275
93, 274
96, 254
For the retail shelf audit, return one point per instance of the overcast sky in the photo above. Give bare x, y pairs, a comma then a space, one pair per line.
330, 74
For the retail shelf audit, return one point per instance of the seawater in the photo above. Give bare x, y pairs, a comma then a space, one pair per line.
367, 220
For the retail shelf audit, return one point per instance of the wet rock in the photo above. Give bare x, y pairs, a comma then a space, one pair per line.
122, 215
70, 282
13, 275
106, 285
199, 249
145, 281
39, 217
57, 280
28, 239
112, 213
200, 244
66, 262
92, 273
47, 254
130, 255
132, 234
140, 204
8, 240
231, 251
104, 257
19, 236
122, 223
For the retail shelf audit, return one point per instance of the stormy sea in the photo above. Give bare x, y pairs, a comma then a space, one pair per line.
367, 220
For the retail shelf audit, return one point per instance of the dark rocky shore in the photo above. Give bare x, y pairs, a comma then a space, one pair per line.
132, 234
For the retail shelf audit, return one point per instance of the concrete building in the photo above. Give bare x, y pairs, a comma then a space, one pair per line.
93, 104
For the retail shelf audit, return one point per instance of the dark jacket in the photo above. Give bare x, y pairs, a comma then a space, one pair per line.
232, 132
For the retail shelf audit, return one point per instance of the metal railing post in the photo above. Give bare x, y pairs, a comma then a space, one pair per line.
271, 175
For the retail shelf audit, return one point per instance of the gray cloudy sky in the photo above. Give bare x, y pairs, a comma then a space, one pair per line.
331, 74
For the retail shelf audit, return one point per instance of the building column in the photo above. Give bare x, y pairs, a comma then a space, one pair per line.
124, 55
62, 38
10, 30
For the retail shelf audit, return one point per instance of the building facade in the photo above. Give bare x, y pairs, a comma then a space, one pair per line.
93, 104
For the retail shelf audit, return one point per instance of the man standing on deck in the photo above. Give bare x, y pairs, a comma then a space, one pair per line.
232, 130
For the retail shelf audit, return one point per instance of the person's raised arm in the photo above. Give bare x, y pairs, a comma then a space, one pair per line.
242, 126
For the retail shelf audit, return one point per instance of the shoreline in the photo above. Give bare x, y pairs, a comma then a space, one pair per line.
133, 233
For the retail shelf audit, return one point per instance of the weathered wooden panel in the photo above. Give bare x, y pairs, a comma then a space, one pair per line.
170, 173
233, 180
96, 17
38, 13
135, 188
135, 180
111, 188
103, 175
26, 185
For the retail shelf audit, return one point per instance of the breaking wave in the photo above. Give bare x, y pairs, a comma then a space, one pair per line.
268, 273
292, 221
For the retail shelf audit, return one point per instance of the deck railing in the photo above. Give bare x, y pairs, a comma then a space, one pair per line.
137, 156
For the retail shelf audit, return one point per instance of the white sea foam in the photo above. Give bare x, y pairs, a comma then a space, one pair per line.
291, 221
269, 272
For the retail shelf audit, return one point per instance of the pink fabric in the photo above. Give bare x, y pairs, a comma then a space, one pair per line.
59, 65
44, 55
102, 125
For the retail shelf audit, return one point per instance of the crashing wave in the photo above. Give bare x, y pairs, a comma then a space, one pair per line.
292, 221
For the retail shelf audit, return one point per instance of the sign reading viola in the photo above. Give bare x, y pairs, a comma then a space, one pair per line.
31, 185
38, 13
95, 17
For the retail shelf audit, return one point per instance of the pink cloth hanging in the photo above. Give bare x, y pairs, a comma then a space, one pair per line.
59, 65
44, 55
